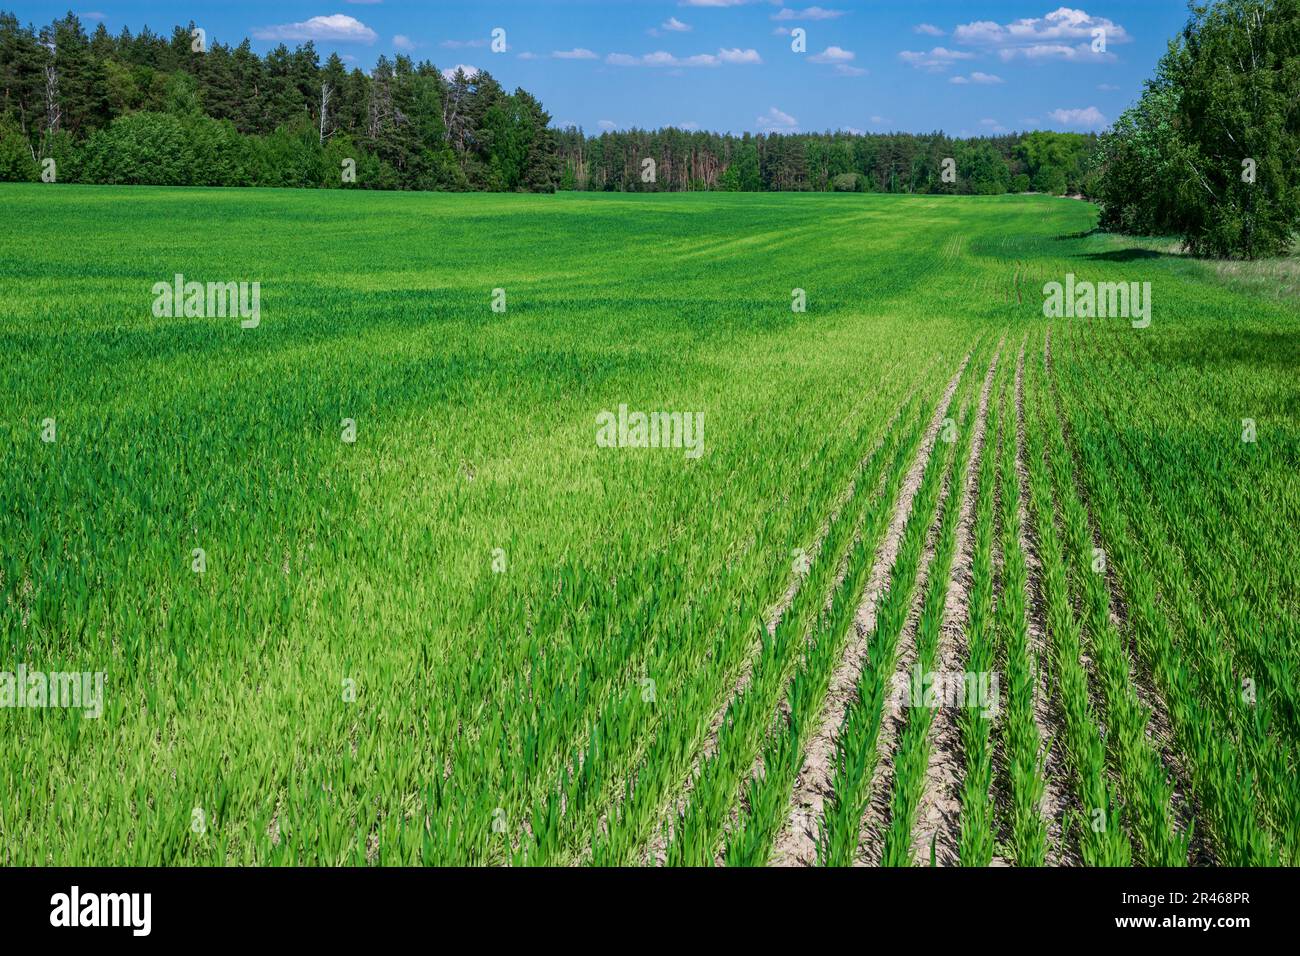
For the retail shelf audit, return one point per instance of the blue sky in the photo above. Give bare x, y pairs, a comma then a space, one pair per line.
964, 66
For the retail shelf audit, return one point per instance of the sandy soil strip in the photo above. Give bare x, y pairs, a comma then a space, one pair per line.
998, 793
938, 819
875, 821
1159, 726
1055, 794
796, 845
657, 849
783, 705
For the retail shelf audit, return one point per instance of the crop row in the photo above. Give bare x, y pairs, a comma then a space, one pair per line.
856, 753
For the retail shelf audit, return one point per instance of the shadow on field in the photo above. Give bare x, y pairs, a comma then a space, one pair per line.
1240, 350
1127, 255
1095, 230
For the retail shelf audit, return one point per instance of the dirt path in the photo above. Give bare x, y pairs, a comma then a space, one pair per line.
797, 843
657, 849
875, 822
1055, 793
938, 821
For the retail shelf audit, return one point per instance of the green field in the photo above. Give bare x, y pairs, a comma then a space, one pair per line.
475, 634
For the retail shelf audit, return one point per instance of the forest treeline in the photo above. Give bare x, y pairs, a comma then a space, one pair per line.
144, 108
848, 162
148, 108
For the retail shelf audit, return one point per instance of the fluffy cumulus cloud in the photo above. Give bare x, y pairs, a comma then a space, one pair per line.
939, 58
1087, 118
1063, 34
808, 13
337, 27
403, 43
927, 29
776, 120
832, 54
840, 58
739, 56
577, 53
673, 25
662, 58
984, 79
469, 71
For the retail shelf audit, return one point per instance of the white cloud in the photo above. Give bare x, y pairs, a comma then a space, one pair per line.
739, 56
459, 44
450, 72
777, 120
673, 25
578, 53
832, 54
959, 80
689, 127
988, 79
402, 42
853, 130
940, 58
993, 126
527, 55
1065, 34
662, 58
1053, 51
927, 29
607, 124
809, 13
715, 3
1087, 118
336, 26
93, 15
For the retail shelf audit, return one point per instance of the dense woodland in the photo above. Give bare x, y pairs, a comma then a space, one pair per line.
145, 108
892, 162
1211, 152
